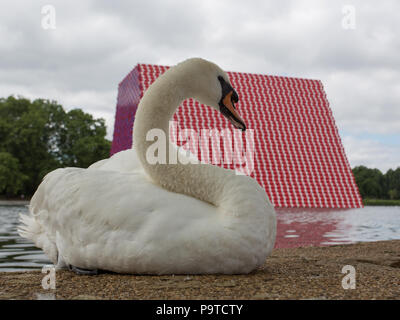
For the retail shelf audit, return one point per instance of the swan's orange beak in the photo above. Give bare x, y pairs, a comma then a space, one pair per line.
227, 108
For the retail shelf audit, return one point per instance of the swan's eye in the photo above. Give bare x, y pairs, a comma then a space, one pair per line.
235, 97
227, 88
233, 101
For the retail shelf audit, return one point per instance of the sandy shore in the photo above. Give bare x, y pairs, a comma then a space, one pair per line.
299, 273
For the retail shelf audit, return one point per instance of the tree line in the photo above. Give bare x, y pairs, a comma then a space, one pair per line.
373, 184
39, 136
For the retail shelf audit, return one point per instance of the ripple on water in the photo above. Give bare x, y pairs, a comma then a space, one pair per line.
302, 227
16, 253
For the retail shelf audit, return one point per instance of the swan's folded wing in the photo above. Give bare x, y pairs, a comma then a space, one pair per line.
97, 217
123, 161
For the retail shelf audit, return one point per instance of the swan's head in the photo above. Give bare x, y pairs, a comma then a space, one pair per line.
210, 85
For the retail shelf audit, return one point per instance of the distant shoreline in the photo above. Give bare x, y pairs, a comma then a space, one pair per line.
14, 202
381, 202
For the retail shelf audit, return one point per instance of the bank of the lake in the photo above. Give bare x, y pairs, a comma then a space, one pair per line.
295, 273
14, 202
381, 202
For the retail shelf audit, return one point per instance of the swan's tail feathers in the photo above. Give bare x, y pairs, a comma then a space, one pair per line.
28, 227
31, 229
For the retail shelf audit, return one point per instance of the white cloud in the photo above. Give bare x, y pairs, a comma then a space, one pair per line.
366, 101
371, 153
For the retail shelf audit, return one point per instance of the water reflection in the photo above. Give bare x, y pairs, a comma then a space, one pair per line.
304, 227
296, 227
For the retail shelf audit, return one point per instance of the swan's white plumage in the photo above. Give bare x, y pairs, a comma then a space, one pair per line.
112, 216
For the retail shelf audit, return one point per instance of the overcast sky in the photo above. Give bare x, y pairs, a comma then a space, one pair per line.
96, 43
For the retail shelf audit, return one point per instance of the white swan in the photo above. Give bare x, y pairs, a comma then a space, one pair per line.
126, 215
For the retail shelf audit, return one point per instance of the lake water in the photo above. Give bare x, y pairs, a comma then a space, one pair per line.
296, 227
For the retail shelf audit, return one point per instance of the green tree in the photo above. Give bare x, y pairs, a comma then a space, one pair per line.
372, 188
373, 184
392, 181
370, 182
42, 136
11, 178
393, 194
82, 139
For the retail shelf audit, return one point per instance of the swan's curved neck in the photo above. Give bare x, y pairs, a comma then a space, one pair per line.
204, 182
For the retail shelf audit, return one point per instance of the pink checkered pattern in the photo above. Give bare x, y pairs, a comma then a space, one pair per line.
299, 158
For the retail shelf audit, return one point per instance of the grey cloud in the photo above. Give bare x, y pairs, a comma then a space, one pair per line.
96, 43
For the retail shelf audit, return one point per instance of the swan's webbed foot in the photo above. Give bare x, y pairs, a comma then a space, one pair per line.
81, 271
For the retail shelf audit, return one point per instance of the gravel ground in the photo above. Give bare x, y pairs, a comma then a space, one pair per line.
296, 273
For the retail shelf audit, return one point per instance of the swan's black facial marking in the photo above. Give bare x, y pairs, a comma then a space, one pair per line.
227, 104
226, 88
